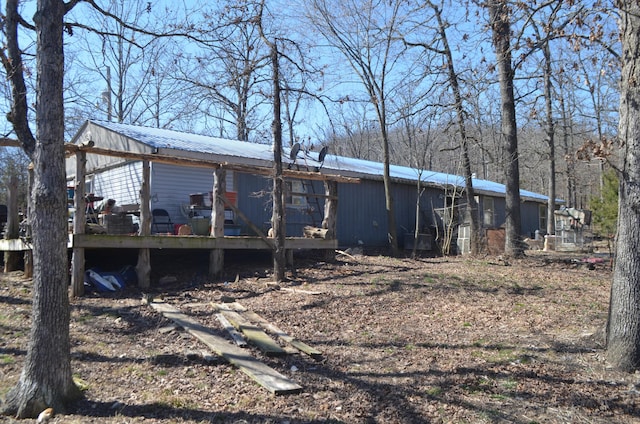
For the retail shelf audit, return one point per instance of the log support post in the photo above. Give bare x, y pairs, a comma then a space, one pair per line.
79, 223
329, 221
143, 267
216, 256
28, 255
289, 254
12, 229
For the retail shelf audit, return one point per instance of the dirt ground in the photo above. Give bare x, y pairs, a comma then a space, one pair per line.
433, 340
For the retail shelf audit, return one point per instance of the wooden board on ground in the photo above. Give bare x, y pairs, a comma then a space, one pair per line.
254, 334
237, 337
264, 375
294, 290
252, 316
301, 346
229, 306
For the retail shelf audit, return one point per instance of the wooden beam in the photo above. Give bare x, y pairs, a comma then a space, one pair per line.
9, 142
103, 241
203, 163
264, 375
14, 245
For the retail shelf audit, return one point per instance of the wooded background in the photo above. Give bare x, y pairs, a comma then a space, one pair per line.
355, 73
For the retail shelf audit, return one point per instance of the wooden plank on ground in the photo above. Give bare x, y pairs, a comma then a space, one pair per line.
301, 346
237, 337
294, 290
254, 334
264, 375
230, 306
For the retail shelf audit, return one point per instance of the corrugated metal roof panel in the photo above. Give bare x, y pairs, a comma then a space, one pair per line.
168, 139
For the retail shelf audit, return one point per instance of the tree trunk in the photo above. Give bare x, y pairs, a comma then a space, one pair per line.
46, 379
501, 33
277, 218
623, 335
388, 195
550, 132
471, 211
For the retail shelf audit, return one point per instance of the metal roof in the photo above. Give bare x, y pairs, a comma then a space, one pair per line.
163, 139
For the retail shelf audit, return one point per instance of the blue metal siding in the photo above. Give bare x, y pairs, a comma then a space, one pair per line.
530, 218
529, 214
255, 201
362, 215
500, 205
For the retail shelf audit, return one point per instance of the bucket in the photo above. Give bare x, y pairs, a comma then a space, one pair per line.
199, 225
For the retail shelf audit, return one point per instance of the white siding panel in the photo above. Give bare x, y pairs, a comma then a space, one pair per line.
121, 183
171, 186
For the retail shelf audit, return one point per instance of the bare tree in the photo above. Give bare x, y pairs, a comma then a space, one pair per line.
228, 73
278, 193
499, 17
441, 47
366, 35
46, 379
123, 58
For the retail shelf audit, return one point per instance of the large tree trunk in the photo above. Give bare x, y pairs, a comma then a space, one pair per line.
500, 25
46, 379
623, 335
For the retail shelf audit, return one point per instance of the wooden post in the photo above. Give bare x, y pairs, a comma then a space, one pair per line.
329, 221
79, 224
216, 256
143, 267
28, 255
12, 230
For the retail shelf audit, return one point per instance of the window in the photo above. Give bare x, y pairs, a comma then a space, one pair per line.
542, 217
296, 193
488, 212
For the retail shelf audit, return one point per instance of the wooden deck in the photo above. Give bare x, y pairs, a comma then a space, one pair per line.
108, 241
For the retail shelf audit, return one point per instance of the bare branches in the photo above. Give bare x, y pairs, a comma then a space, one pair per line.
12, 62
